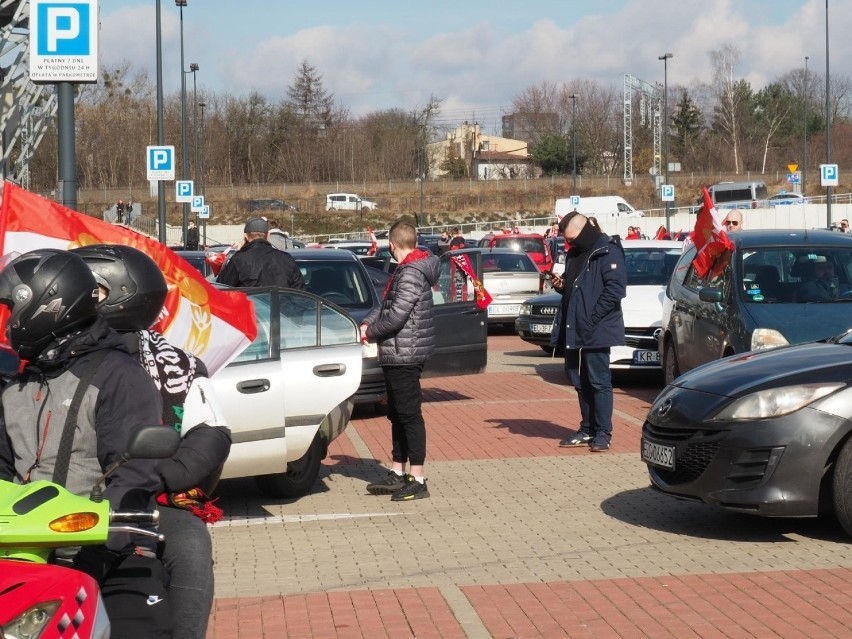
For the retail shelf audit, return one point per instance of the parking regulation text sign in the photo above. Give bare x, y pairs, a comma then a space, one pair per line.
160, 161
63, 41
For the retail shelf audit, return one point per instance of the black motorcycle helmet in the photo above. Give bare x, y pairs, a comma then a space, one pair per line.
50, 293
137, 287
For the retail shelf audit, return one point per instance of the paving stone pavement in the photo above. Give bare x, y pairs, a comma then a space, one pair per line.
519, 538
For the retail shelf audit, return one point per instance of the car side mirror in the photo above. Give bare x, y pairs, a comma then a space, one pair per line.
710, 294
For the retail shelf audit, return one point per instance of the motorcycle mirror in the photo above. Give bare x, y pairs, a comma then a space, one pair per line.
153, 442
149, 442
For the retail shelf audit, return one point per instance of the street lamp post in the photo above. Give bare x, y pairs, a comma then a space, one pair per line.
420, 172
805, 128
665, 57
183, 125
161, 136
201, 172
574, 97
827, 122
193, 68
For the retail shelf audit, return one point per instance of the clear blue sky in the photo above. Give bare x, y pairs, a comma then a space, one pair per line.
474, 54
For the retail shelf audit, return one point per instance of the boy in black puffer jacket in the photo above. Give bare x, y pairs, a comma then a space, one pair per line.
404, 328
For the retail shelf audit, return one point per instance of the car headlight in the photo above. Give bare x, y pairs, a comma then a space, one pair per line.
775, 402
763, 338
525, 309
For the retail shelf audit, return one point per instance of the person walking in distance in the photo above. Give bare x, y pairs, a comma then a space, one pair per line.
258, 263
404, 329
192, 236
592, 287
457, 241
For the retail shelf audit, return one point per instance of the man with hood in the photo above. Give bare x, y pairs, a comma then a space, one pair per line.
592, 287
403, 326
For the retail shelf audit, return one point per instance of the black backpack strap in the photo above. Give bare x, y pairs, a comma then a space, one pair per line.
66, 443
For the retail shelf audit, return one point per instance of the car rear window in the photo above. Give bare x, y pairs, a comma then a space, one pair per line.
508, 263
341, 282
650, 266
526, 244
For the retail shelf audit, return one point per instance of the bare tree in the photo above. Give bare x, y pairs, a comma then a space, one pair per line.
729, 97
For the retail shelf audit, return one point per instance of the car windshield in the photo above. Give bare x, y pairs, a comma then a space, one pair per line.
508, 263
525, 244
650, 266
809, 274
339, 281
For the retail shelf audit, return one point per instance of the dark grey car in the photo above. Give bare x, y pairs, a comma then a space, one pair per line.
761, 299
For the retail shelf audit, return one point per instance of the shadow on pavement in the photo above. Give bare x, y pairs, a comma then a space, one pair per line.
648, 508
533, 428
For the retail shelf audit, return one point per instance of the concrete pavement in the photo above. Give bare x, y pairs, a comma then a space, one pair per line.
519, 538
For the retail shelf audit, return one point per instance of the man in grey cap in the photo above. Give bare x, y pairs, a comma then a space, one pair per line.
258, 263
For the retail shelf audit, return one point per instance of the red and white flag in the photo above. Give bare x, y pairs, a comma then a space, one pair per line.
212, 324
710, 239
374, 244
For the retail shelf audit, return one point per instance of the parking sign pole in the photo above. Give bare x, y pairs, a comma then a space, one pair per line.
67, 145
161, 136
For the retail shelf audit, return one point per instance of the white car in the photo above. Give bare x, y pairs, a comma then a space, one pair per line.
348, 202
649, 266
289, 394
785, 198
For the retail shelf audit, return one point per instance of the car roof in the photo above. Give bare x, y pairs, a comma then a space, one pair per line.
322, 254
498, 236
497, 250
788, 237
631, 244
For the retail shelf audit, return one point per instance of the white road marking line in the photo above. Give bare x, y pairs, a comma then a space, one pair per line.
296, 519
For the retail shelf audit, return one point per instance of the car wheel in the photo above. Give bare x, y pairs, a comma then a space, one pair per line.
671, 370
300, 477
842, 487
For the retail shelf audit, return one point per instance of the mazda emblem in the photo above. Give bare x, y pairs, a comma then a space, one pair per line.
663, 410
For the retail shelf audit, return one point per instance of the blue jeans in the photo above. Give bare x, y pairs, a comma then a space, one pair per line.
588, 372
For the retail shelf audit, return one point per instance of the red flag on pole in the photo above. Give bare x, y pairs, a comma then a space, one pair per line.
374, 244
213, 324
709, 238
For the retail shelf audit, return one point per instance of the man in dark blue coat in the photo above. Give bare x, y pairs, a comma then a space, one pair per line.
592, 287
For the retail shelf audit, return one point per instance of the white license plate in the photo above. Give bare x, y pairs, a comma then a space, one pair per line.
658, 455
503, 309
541, 328
646, 357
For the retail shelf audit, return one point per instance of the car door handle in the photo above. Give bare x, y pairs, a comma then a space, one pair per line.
253, 386
329, 370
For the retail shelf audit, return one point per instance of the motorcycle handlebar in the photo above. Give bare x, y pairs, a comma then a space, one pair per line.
135, 517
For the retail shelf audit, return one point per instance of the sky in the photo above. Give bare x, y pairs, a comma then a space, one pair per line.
475, 55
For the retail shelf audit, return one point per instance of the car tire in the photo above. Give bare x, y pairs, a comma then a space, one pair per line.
300, 477
842, 487
671, 370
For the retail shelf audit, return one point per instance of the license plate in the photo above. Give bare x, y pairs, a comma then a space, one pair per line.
503, 309
542, 328
646, 357
658, 455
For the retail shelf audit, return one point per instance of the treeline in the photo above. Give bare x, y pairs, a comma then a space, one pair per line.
726, 126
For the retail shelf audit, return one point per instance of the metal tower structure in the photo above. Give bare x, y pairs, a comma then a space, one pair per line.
26, 109
650, 112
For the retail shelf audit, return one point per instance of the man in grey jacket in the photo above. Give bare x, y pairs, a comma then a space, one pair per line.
404, 329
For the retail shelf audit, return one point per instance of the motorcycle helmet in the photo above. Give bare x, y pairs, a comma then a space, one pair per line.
136, 286
49, 293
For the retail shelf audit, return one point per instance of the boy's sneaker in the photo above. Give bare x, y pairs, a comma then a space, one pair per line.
580, 439
599, 445
387, 486
413, 489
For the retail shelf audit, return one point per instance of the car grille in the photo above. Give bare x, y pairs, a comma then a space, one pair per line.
641, 338
546, 310
692, 459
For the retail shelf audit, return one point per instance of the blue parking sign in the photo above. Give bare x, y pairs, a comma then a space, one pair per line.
183, 191
197, 203
204, 213
667, 192
829, 175
575, 201
161, 163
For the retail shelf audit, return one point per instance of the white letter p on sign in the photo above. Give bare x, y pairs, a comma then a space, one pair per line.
55, 33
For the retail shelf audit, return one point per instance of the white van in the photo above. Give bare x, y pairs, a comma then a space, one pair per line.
598, 206
348, 202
